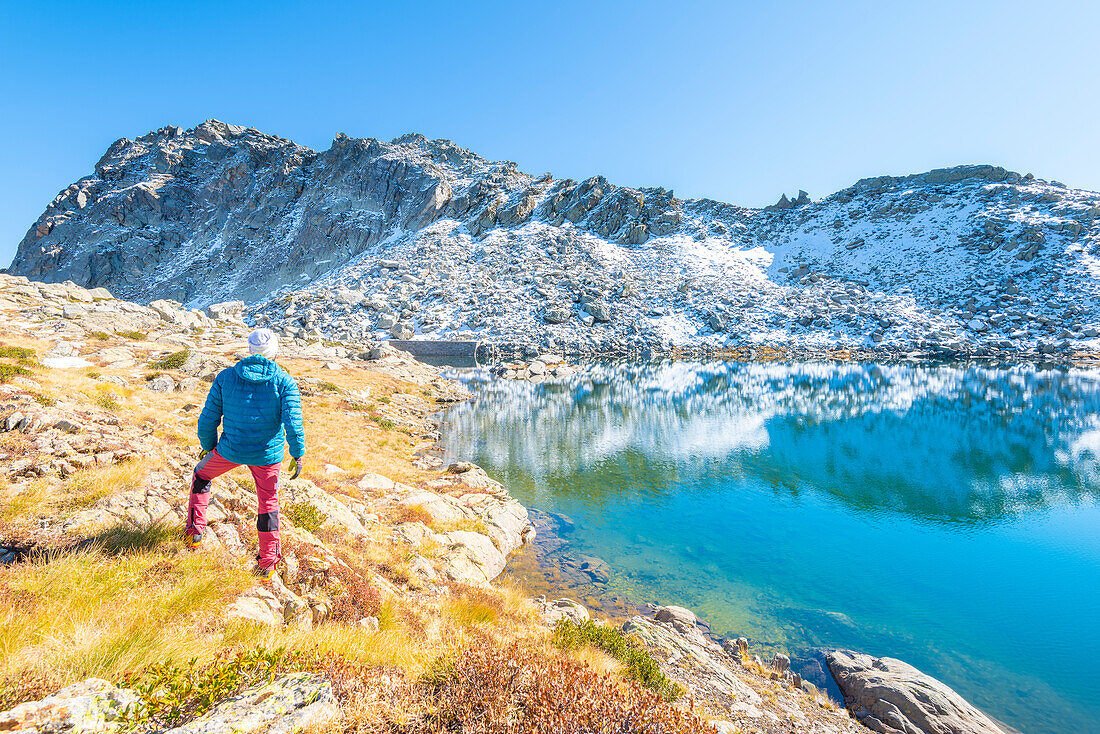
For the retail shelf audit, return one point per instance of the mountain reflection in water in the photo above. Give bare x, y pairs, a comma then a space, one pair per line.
945, 515
937, 443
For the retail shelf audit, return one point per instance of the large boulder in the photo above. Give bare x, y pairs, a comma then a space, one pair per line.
892, 697
288, 704
600, 311
680, 618
553, 612
93, 705
338, 516
471, 558
556, 315
226, 310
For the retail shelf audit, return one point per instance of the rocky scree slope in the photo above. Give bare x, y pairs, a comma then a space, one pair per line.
370, 239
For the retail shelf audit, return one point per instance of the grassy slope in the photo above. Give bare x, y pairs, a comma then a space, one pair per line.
128, 600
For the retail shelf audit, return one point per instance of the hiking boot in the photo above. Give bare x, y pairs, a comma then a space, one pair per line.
192, 540
262, 572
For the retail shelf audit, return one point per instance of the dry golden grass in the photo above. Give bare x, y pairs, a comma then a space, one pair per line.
350, 439
597, 660
52, 496
75, 614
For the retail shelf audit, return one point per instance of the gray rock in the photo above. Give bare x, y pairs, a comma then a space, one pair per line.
288, 704
93, 705
67, 426
13, 421
717, 672
226, 310
601, 312
161, 383
889, 696
556, 315
553, 612
62, 349
680, 618
187, 384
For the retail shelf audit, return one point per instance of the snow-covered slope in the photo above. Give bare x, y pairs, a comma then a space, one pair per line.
369, 239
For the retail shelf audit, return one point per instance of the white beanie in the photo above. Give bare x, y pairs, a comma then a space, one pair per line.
263, 341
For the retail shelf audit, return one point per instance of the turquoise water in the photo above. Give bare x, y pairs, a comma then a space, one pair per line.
946, 516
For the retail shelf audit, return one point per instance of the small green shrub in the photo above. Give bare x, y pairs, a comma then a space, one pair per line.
329, 386
22, 355
173, 361
130, 334
175, 694
305, 516
640, 665
94, 374
384, 423
106, 398
100, 335
8, 371
43, 399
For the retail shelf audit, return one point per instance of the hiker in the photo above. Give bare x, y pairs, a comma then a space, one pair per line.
258, 406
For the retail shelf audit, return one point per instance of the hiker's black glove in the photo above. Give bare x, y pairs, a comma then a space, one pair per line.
295, 467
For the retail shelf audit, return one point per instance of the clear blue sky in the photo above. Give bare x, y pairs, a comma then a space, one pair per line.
735, 101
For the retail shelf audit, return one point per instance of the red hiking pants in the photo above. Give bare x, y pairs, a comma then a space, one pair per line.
267, 493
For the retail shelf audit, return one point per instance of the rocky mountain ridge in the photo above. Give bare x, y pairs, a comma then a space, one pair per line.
419, 237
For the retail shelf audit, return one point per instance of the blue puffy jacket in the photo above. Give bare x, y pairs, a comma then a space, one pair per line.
258, 406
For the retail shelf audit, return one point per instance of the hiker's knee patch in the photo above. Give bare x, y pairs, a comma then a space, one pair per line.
199, 485
267, 522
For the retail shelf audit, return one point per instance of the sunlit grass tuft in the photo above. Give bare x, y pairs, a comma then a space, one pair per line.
102, 611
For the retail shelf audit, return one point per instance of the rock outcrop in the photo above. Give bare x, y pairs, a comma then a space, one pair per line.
742, 700
893, 697
93, 705
370, 239
289, 704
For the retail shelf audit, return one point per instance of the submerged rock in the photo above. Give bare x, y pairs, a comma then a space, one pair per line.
889, 696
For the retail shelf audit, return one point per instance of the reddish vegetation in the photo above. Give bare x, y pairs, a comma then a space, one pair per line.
360, 599
519, 691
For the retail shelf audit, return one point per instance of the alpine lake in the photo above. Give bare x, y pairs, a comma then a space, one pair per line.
945, 515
